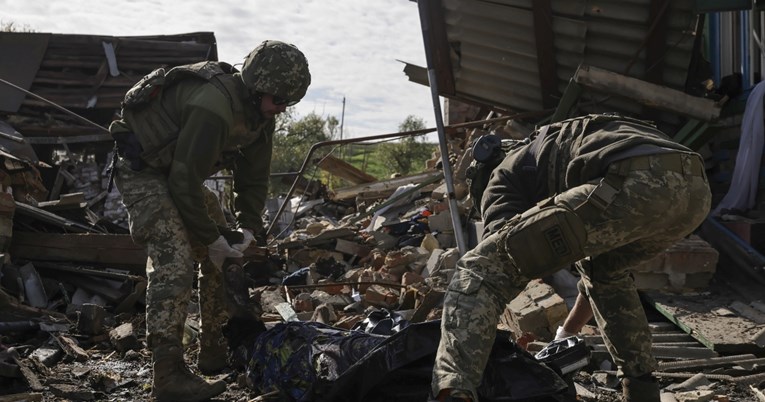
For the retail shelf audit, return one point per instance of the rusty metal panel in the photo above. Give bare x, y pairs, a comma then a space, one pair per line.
494, 54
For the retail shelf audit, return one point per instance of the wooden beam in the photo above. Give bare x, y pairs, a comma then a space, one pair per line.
725, 334
546, 66
51, 218
439, 44
109, 249
656, 42
380, 186
345, 170
24, 397
646, 93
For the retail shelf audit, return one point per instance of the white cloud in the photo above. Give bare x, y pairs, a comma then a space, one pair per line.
351, 45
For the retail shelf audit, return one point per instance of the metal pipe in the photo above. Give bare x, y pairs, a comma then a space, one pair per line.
433, 83
744, 256
744, 35
714, 46
412, 133
272, 175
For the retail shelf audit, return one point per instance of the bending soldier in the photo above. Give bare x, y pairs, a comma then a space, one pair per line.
177, 128
602, 191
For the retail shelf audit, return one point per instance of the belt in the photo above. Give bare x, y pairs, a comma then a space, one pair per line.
680, 162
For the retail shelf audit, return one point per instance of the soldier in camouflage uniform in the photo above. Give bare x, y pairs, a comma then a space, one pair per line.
604, 192
177, 128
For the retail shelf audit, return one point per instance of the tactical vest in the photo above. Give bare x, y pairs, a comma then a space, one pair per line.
155, 129
489, 151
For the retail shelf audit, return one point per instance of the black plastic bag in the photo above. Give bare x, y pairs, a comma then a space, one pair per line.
314, 362
401, 368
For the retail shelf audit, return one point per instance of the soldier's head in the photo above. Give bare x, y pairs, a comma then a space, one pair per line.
276, 75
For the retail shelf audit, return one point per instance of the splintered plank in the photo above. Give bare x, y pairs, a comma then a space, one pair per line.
710, 320
25, 397
113, 249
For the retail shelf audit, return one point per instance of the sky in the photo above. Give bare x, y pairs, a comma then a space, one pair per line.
353, 47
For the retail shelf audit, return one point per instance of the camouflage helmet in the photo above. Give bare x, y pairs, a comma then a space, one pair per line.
277, 68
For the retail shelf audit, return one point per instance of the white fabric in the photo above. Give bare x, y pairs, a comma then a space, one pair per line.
561, 333
248, 238
746, 173
219, 250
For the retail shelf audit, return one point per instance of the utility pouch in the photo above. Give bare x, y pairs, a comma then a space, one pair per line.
543, 240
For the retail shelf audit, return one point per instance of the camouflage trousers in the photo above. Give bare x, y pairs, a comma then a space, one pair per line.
156, 224
640, 207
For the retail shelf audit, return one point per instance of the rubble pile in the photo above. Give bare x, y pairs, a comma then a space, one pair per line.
73, 293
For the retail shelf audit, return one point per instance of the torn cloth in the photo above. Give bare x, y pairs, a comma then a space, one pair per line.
746, 173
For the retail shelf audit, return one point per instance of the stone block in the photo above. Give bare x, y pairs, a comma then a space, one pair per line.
671, 269
430, 243
447, 239
376, 259
420, 258
396, 272
695, 396
348, 322
47, 356
324, 314
432, 264
399, 258
699, 280
380, 296
691, 256
538, 310
91, 319
303, 302
410, 278
650, 280
123, 338
750, 231
441, 222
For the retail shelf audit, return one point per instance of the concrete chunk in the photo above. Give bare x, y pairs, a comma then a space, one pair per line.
123, 338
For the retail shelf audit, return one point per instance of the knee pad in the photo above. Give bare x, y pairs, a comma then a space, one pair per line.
543, 240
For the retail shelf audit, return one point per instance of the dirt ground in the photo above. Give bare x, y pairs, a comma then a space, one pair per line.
128, 378
111, 376
108, 375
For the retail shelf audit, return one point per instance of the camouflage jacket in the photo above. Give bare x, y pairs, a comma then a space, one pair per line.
567, 154
214, 130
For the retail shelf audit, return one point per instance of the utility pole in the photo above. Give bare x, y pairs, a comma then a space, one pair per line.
342, 121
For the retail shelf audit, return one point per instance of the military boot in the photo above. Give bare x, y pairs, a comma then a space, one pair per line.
451, 395
213, 347
213, 353
174, 382
640, 389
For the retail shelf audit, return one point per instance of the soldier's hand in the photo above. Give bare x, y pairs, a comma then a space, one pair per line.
247, 238
219, 250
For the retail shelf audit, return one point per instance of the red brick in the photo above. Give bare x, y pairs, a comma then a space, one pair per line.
410, 278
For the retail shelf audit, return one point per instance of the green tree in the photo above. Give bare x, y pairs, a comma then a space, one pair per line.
407, 155
292, 141
10, 26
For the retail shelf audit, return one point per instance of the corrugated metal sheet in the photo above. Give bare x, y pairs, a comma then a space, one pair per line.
86, 73
495, 52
